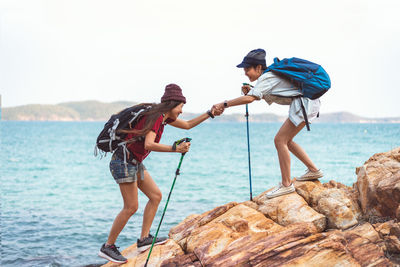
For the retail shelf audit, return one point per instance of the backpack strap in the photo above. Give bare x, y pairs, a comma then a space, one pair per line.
136, 114
304, 114
139, 164
125, 151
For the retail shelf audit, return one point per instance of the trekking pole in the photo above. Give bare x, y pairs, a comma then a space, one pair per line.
186, 139
248, 149
248, 143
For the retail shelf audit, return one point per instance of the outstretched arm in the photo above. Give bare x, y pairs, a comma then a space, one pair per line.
190, 123
241, 100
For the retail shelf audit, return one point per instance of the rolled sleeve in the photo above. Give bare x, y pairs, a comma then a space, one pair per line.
256, 93
264, 86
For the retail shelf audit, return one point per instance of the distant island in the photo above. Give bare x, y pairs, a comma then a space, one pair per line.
99, 111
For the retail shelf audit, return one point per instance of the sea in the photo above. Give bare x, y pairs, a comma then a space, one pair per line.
58, 201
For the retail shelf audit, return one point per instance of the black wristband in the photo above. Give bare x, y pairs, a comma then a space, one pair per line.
225, 103
174, 146
210, 114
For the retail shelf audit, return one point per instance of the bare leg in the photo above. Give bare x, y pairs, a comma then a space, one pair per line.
151, 190
302, 155
284, 136
130, 196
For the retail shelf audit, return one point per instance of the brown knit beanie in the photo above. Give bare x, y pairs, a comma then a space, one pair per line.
173, 92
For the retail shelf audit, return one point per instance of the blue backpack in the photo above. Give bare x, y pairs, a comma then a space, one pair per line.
311, 78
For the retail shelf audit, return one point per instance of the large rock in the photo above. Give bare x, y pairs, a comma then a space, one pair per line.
180, 232
290, 230
336, 201
378, 185
244, 251
237, 225
357, 247
289, 209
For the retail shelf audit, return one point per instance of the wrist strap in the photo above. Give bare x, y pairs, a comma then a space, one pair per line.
210, 114
174, 146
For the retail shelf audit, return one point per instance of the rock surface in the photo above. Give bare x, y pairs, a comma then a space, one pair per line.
168, 250
318, 225
378, 185
336, 203
288, 209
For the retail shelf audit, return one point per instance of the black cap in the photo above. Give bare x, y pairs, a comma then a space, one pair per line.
253, 58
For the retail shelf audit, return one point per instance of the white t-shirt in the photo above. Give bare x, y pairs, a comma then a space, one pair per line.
274, 89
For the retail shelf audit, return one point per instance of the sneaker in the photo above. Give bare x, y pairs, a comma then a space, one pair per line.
281, 190
310, 175
146, 242
111, 253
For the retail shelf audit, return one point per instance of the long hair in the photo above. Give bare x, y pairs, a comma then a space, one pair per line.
152, 115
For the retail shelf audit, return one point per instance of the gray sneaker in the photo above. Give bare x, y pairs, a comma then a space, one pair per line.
111, 253
310, 175
143, 244
281, 190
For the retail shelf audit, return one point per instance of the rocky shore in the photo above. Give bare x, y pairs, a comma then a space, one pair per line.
319, 225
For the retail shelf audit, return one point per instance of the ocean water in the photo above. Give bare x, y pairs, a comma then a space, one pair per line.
58, 201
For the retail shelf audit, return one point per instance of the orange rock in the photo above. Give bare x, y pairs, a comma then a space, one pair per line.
180, 232
390, 232
365, 245
378, 185
289, 230
289, 209
249, 252
334, 200
187, 260
237, 223
360, 246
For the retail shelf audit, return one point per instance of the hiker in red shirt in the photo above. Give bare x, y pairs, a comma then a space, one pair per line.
148, 131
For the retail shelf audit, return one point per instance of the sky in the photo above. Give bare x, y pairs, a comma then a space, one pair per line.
54, 51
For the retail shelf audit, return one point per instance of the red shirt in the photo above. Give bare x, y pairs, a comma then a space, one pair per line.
137, 148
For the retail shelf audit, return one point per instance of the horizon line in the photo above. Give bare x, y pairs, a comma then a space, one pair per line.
255, 113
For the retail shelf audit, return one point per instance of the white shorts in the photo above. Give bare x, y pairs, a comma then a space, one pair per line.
311, 106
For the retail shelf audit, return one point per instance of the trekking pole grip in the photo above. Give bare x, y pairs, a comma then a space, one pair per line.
180, 141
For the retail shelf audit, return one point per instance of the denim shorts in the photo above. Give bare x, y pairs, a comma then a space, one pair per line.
124, 173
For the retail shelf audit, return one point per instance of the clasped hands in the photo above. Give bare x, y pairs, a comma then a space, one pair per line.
219, 108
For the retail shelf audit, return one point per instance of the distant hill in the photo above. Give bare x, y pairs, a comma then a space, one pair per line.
347, 117
68, 111
99, 111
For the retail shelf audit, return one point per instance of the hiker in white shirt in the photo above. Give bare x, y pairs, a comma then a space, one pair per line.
274, 89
